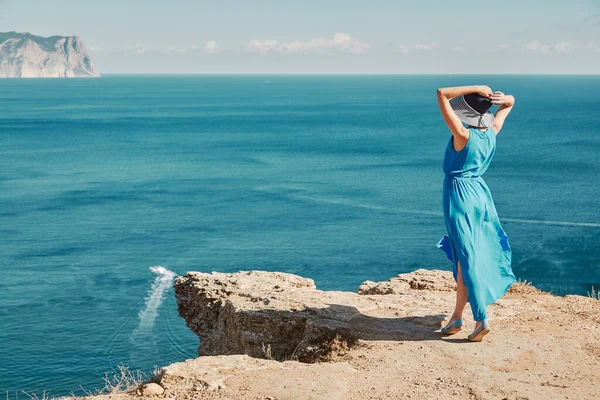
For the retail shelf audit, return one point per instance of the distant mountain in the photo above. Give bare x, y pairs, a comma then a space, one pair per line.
23, 55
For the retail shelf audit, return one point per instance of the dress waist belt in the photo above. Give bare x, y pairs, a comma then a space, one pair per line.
463, 177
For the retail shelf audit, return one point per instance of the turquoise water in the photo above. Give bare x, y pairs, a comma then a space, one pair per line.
335, 178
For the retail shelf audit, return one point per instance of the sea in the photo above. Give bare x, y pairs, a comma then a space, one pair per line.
112, 187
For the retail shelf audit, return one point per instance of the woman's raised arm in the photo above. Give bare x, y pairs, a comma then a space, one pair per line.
506, 104
445, 94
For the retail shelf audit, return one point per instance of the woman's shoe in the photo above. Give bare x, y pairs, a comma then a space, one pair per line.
452, 328
480, 332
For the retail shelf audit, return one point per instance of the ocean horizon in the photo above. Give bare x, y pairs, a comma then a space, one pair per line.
112, 187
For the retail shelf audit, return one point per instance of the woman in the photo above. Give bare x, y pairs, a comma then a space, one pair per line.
476, 243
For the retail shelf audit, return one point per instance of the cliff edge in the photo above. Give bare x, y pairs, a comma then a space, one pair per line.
23, 55
271, 335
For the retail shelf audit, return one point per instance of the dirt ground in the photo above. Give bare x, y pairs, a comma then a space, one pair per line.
541, 347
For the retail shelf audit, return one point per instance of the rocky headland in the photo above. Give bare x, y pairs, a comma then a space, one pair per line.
23, 55
271, 335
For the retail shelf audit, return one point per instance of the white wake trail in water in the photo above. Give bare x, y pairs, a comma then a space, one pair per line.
560, 223
155, 297
392, 210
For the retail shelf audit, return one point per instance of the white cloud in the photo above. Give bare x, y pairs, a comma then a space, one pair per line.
426, 47
405, 49
560, 47
532, 46
564, 47
177, 50
210, 47
138, 49
536, 46
459, 49
504, 46
340, 42
262, 46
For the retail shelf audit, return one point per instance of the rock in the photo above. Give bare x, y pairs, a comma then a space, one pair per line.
23, 55
152, 389
211, 373
421, 279
397, 354
229, 314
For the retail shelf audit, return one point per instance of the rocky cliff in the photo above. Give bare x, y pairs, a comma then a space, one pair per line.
23, 55
271, 335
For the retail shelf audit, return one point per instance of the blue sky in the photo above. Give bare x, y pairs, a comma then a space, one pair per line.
351, 36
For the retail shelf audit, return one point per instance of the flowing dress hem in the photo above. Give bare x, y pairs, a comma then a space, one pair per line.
445, 244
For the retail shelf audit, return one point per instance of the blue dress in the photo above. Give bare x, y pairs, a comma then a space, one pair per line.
475, 237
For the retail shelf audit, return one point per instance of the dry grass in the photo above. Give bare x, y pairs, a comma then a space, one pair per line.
121, 381
523, 287
267, 351
268, 355
337, 345
32, 396
293, 357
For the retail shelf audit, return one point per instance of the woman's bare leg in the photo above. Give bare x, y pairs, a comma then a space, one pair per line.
461, 296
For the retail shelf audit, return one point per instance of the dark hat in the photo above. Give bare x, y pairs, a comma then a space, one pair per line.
473, 109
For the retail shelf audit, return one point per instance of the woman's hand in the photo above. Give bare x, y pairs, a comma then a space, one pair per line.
498, 98
485, 91
506, 104
509, 101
